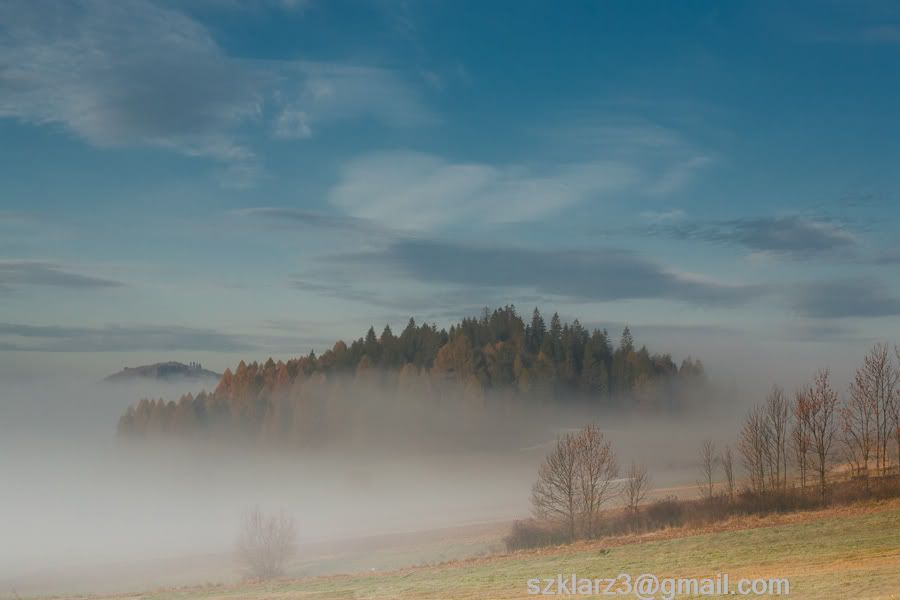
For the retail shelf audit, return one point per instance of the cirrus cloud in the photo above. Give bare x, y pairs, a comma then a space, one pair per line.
19, 273
853, 297
416, 191
115, 338
136, 73
790, 236
595, 274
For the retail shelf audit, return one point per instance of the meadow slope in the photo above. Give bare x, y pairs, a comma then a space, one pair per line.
845, 552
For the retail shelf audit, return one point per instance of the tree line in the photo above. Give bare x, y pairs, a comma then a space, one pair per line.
795, 451
817, 428
498, 354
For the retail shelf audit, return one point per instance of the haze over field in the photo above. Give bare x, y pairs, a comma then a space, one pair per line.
318, 200
82, 497
84, 500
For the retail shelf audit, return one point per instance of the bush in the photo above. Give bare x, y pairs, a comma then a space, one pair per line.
666, 512
265, 544
533, 534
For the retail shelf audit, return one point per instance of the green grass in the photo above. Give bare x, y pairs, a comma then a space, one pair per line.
840, 554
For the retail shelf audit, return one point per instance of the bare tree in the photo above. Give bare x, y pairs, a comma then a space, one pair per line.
555, 495
727, 460
708, 466
777, 413
872, 395
266, 543
596, 470
858, 427
895, 411
753, 445
637, 484
800, 440
823, 403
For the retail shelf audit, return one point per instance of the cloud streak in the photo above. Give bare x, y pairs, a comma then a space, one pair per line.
596, 275
416, 191
859, 297
290, 218
123, 73
134, 73
18, 273
115, 338
790, 236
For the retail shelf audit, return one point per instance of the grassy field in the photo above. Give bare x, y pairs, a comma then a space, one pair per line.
847, 552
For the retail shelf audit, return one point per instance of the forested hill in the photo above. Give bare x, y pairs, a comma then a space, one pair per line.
166, 371
496, 357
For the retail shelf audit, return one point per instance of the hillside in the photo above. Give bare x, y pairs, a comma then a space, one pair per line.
163, 371
846, 552
429, 380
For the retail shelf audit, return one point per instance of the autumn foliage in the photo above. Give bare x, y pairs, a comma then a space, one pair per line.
424, 374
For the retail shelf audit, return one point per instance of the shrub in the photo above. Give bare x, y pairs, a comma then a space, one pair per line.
265, 544
666, 512
533, 534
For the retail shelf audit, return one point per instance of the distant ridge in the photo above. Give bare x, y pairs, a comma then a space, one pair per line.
164, 371
483, 369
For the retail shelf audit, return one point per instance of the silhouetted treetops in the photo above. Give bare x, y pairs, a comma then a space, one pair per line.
497, 358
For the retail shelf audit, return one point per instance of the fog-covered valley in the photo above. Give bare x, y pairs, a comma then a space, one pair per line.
80, 504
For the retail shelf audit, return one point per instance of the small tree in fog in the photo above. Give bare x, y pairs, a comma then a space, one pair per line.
555, 495
753, 445
894, 411
266, 543
637, 484
822, 426
858, 428
708, 466
800, 438
596, 469
727, 460
575, 480
867, 419
778, 425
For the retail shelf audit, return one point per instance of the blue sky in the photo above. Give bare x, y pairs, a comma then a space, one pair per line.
218, 179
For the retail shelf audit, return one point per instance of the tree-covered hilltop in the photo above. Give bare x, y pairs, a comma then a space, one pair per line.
497, 357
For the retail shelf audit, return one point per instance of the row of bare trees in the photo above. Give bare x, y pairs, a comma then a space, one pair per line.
871, 415
710, 460
578, 477
815, 429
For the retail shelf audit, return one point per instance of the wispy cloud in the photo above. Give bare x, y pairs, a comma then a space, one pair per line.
817, 330
596, 275
123, 73
591, 163
19, 273
666, 216
116, 338
886, 257
309, 94
455, 301
678, 175
135, 73
415, 191
858, 297
791, 236
292, 218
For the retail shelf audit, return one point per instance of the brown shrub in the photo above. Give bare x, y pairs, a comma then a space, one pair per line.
534, 534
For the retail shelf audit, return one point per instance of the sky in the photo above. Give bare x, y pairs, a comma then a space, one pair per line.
215, 180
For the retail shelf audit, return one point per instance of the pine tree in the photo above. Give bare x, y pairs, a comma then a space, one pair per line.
373, 349
538, 330
556, 337
627, 342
